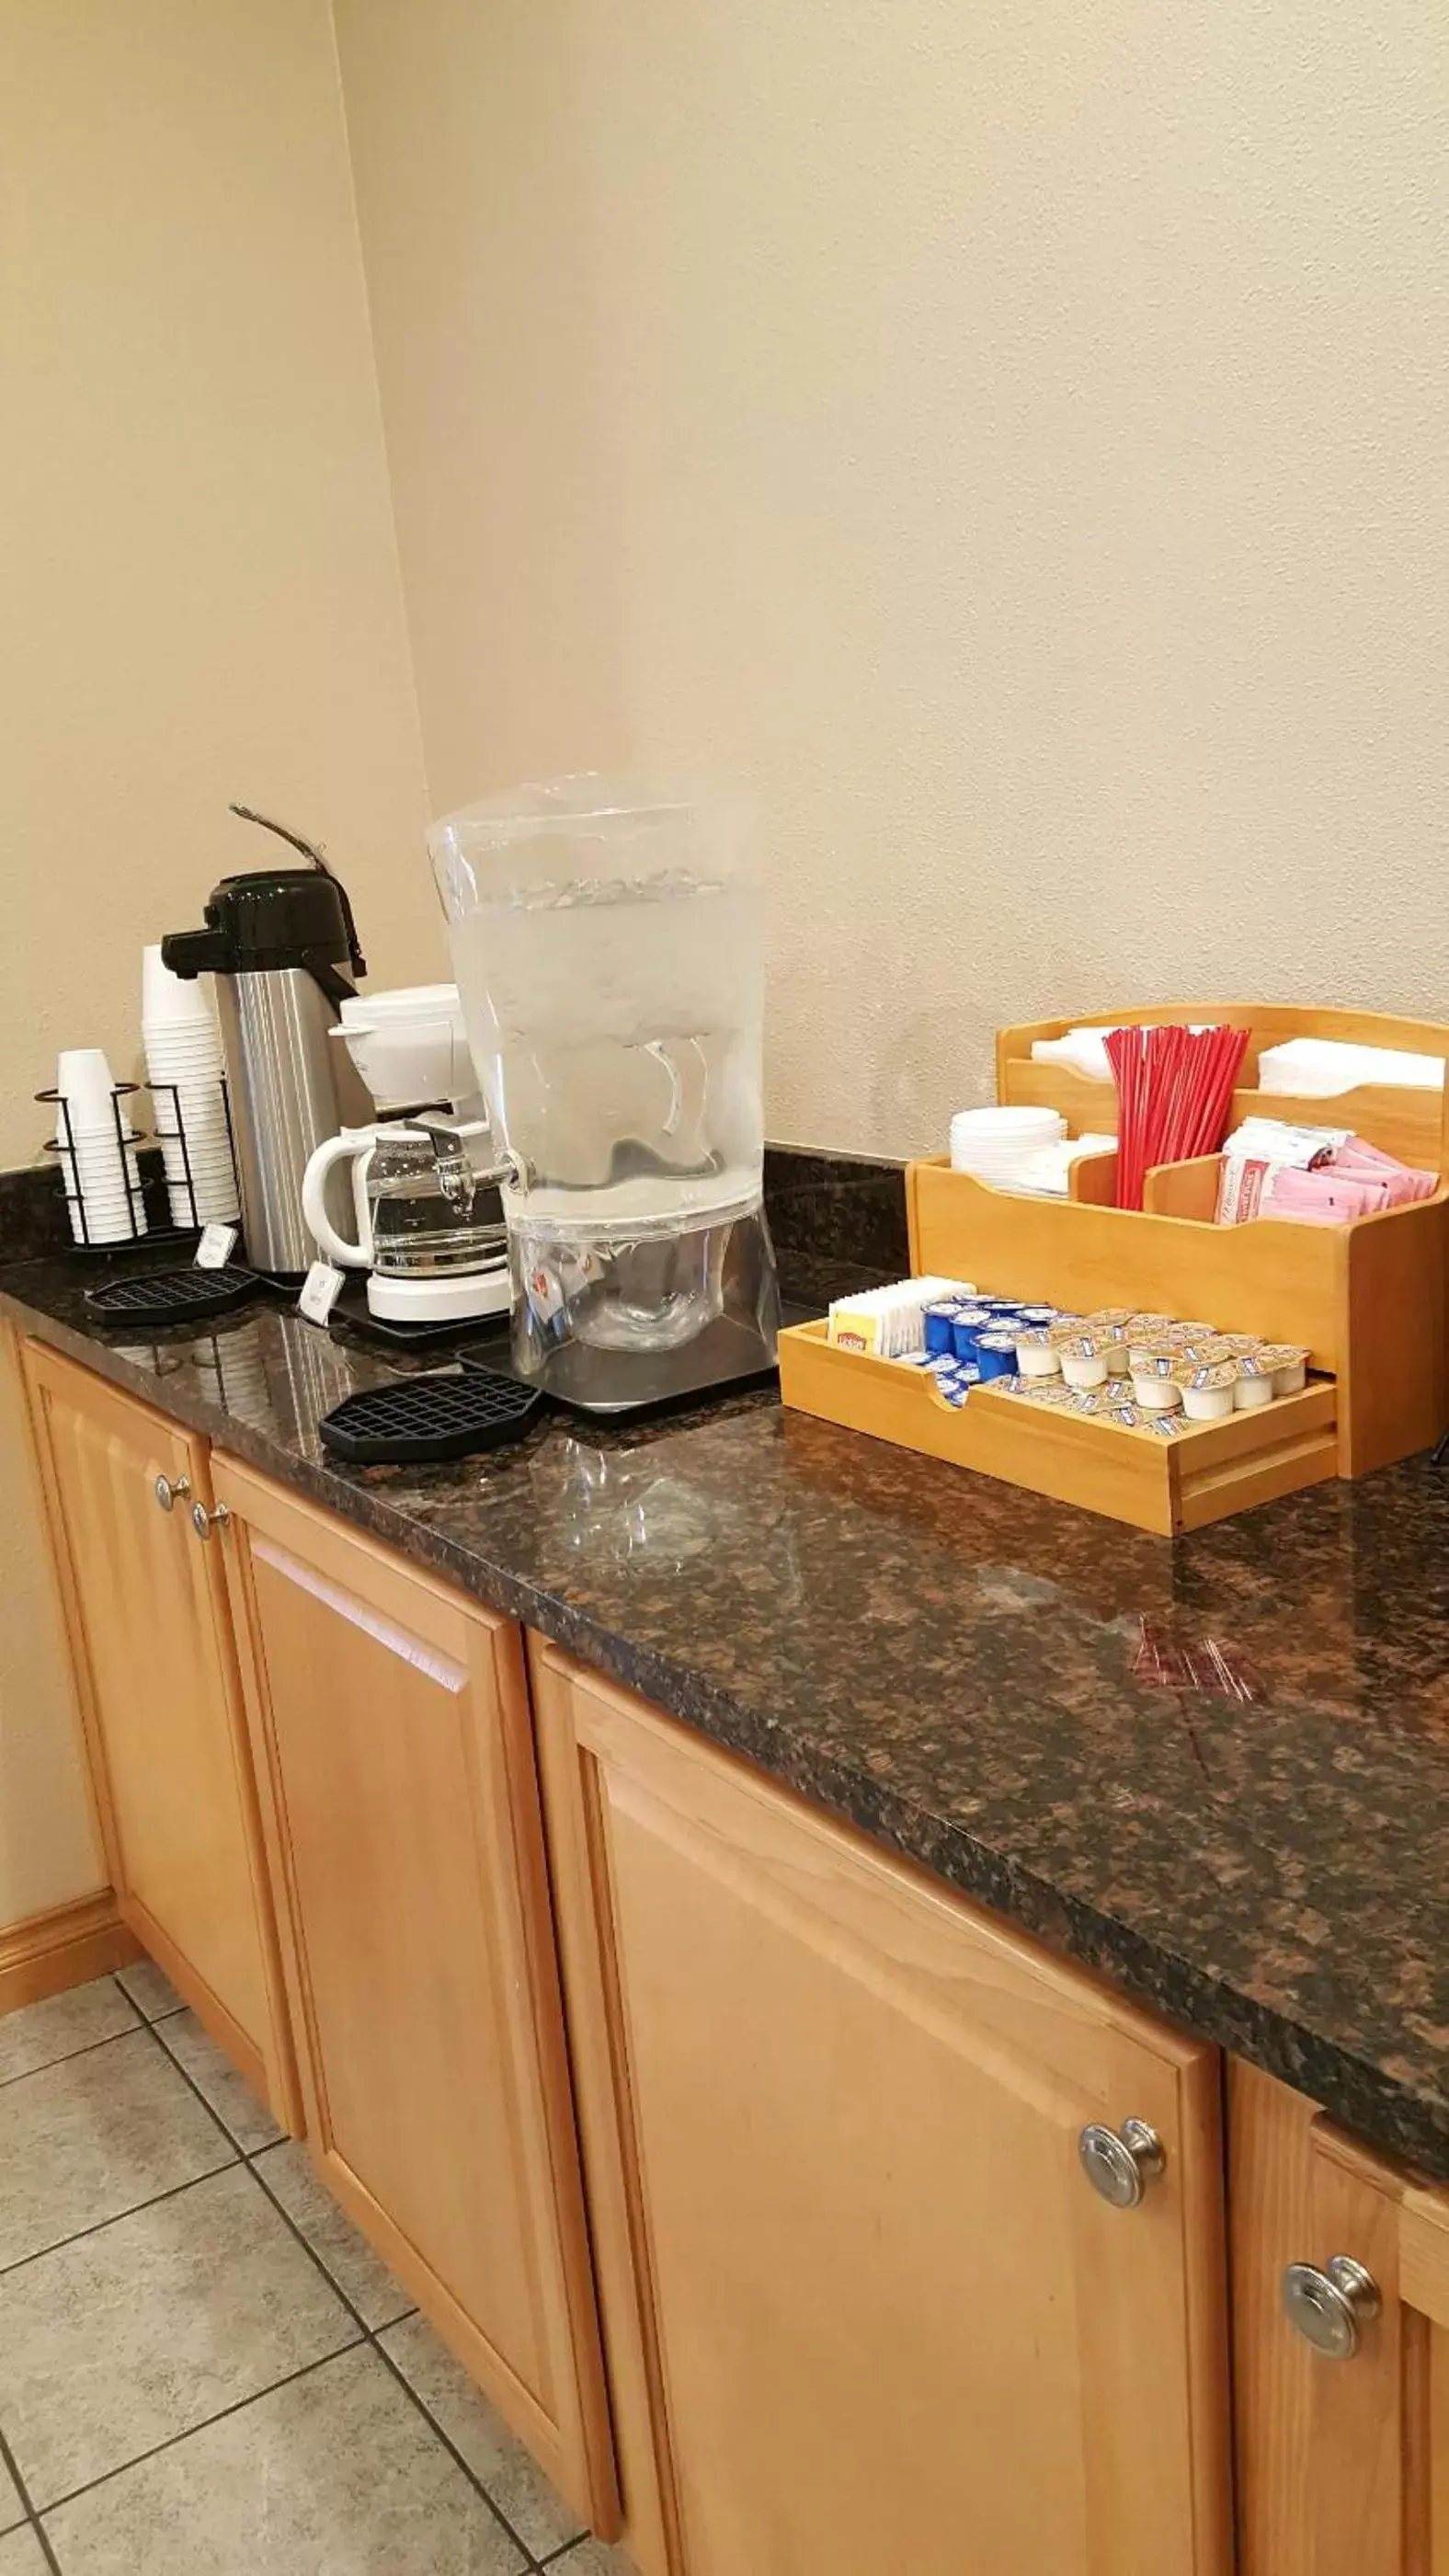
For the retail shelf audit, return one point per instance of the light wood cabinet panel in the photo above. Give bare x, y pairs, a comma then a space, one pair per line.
1343, 2465
149, 1638
394, 1746
863, 2310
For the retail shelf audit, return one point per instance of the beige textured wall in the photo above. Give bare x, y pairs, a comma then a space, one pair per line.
200, 594
1011, 436
200, 580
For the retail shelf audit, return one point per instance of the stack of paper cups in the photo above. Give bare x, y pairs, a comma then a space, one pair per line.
183, 1067
97, 1158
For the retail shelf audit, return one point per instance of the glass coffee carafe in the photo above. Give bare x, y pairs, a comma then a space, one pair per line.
432, 1200
427, 1215
608, 954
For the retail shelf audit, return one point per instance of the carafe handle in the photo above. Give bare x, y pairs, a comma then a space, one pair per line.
343, 1148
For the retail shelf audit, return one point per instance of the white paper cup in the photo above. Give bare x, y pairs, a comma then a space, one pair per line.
97, 1141
166, 1067
168, 997
86, 1085
206, 1125
112, 1213
181, 1037
181, 1168
199, 1030
183, 1147
171, 1037
211, 1207
202, 1154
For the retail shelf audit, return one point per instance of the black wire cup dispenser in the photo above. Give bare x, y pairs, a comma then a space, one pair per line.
124, 1218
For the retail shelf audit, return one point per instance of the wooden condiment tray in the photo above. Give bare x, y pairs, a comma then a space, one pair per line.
1209, 1470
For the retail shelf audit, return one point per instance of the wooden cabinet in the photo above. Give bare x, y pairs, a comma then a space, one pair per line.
864, 2309
150, 1643
861, 2306
1343, 2463
395, 1757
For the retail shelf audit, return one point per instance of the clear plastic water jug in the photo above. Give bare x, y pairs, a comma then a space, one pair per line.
608, 954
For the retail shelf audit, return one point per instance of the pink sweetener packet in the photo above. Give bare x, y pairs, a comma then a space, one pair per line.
1341, 1198
1357, 1149
1358, 1161
1400, 1189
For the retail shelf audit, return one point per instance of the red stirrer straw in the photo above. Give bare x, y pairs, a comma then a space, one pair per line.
1174, 1096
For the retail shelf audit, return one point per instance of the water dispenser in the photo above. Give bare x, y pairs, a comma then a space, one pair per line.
608, 953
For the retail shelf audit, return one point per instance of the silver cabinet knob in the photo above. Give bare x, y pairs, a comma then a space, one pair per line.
169, 1494
204, 1522
1331, 2308
1120, 2164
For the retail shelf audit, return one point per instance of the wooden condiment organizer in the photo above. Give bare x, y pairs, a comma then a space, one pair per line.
1368, 1300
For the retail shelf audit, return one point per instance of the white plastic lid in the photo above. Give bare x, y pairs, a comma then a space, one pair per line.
987, 1124
407, 1002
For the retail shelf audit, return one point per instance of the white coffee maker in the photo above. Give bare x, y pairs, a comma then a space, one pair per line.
424, 1197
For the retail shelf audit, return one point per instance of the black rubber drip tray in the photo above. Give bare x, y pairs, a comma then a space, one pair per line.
174, 1296
423, 1418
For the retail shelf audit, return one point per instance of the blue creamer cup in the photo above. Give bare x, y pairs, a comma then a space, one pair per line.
966, 1324
940, 1317
996, 1355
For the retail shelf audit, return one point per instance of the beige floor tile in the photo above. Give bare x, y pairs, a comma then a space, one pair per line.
517, 2485
212, 2072
21, 2554
336, 2474
41, 2034
152, 1994
358, 2272
153, 2325
11, 2508
96, 2135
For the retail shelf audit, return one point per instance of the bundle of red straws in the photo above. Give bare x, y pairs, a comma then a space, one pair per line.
1174, 1097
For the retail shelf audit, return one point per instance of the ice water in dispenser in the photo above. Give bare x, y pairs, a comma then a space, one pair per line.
608, 953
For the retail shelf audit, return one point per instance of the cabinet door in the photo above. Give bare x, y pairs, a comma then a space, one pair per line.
395, 1751
147, 1627
864, 2310
1343, 2460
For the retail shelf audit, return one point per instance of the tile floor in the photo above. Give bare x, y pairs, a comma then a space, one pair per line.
204, 2371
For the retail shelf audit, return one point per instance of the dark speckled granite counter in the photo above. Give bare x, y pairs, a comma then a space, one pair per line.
953, 1665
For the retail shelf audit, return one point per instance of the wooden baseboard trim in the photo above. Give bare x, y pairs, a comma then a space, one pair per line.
48, 1953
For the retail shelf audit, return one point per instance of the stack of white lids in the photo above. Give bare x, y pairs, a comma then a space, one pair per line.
994, 1144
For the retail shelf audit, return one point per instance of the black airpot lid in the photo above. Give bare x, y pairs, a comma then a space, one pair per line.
277, 917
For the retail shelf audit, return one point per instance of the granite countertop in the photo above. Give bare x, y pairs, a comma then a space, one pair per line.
1216, 1769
